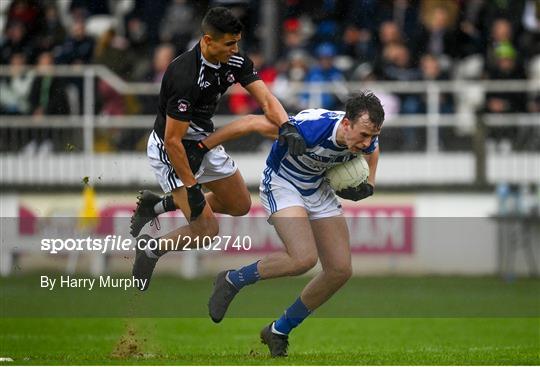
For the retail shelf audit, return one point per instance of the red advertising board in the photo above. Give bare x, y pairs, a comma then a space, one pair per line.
373, 229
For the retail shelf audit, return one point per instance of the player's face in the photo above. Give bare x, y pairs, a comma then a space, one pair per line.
224, 47
359, 135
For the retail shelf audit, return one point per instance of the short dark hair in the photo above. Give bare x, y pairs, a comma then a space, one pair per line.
362, 102
220, 20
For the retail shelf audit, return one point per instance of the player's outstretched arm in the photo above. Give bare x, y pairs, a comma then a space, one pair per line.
264, 125
267, 125
272, 108
274, 112
241, 127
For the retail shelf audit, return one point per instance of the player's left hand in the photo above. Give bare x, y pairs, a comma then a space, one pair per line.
195, 151
359, 192
288, 134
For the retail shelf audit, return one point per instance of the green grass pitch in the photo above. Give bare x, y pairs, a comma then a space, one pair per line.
463, 336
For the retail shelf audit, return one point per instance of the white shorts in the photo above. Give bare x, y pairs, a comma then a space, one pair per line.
277, 193
217, 164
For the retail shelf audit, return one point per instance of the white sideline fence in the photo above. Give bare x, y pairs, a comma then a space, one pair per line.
130, 168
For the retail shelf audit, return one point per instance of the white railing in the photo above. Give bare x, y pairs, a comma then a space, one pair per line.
421, 167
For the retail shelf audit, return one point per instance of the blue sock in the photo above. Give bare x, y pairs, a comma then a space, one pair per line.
244, 276
292, 317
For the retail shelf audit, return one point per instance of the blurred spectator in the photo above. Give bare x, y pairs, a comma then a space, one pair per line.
326, 31
78, 47
510, 9
111, 51
112, 102
139, 47
323, 71
501, 33
437, 36
326, 19
398, 40
241, 103
530, 40
15, 89
361, 14
294, 37
430, 69
358, 43
150, 12
29, 13
469, 33
178, 25
404, 13
47, 97
388, 34
428, 9
163, 55
15, 41
364, 73
396, 64
506, 67
48, 93
87, 8
294, 69
53, 32
529, 137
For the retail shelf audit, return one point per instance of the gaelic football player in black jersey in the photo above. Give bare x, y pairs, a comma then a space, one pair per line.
185, 153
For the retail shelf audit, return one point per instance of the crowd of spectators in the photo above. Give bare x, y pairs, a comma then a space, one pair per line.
319, 41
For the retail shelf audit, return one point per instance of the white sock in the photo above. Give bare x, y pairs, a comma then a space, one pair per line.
159, 208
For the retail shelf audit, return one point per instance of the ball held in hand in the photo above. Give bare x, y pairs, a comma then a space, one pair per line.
349, 174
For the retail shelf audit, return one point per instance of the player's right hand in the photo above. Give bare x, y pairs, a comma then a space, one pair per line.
288, 134
196, 200
195, 151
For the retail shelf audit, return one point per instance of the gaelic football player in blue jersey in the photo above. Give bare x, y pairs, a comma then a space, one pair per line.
306, 213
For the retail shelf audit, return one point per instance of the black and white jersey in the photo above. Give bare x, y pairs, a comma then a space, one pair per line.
192, 86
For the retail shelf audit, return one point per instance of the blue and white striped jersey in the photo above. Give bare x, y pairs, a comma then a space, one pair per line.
318, 127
